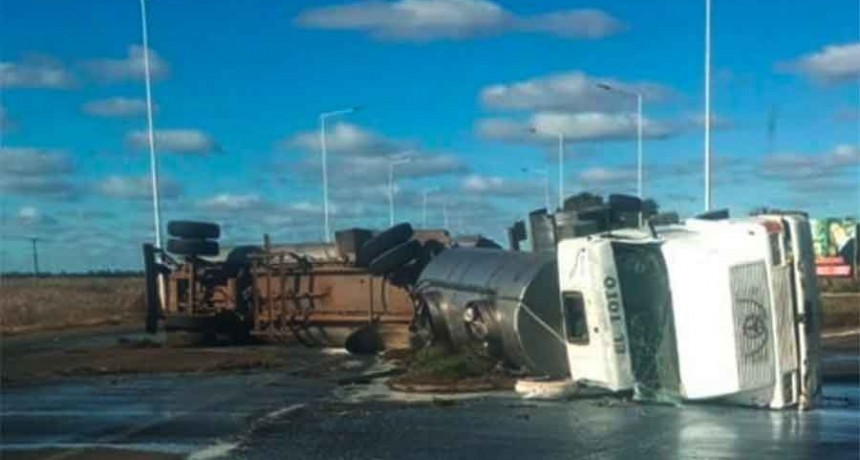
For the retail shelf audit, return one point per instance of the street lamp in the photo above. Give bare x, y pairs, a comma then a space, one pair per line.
707, 105
153, 160
560, 136
323, 116
543, 172
638, 96
393, 161
426, 191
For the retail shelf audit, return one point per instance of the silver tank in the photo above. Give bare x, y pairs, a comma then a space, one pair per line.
517, 297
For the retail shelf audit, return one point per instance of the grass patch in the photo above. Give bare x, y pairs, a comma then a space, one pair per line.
438, 363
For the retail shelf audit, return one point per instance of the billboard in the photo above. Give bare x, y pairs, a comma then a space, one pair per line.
835, 242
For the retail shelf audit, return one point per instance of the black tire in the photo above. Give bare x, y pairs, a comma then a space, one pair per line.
407, 275
433, 247
395, 258
192, 247
242, 255
193, 230
386, 240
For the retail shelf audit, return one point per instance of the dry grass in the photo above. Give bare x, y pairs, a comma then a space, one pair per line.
55, 303
28, 304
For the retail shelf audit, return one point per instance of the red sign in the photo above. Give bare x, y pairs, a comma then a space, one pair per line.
833, 270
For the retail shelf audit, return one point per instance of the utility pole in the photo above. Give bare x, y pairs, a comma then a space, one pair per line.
34, 241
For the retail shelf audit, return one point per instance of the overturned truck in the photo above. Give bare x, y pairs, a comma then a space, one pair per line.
712, 309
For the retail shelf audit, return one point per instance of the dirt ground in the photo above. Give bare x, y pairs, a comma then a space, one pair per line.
35, 304
47, 332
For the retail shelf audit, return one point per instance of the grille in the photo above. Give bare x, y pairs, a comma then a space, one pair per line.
753, 335
783, 306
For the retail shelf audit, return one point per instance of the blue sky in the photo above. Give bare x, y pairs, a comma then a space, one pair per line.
239, 86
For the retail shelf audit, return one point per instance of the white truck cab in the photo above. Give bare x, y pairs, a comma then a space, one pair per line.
705, 310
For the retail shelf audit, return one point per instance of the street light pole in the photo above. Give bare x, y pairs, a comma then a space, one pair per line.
150, 132
392, 162
560, 136
707, 105
153, 161
323, 151
424, 209
560, 171
639, 121
545, 174
639, 161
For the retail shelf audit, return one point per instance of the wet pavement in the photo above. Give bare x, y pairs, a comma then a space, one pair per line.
263, 415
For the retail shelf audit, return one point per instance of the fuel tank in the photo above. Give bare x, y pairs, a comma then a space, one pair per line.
504, 302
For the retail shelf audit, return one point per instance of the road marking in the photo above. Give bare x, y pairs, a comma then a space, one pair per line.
283, 411
217, 450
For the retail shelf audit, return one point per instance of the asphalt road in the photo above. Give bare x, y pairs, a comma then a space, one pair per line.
303, 414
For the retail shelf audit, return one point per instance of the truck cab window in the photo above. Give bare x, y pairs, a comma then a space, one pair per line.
574, 313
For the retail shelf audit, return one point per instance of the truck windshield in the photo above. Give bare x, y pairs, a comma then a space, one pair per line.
647, 299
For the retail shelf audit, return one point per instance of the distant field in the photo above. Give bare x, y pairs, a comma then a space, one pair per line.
55, 303
28, 304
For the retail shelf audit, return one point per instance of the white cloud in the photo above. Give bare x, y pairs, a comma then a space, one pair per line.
570, 91
603, 176
583, 24
28, 161
116, 107
130, 67
191, 141
497, 186
30, 171
346, 138
365, 170
802, 168
31, 217
231, 202
137, 188
425, 20
590, 126
35, 72
362, 157
833, 63
844, 155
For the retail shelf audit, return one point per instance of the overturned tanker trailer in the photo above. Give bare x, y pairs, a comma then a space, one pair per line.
713, 309
504, 302
316, 293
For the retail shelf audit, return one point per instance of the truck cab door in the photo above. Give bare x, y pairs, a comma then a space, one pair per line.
594, 328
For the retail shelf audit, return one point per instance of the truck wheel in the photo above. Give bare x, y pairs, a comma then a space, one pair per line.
395, 258
386, 240
407, 275
193, 230
192, 247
